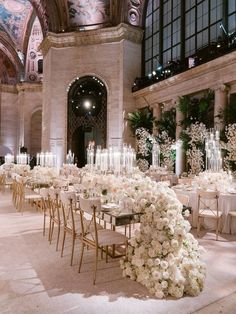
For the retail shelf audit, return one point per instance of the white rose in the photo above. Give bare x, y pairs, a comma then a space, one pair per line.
166, 275
164, 284
159, 294
164, 264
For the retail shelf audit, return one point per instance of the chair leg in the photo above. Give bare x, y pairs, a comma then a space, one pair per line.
50, 229
63, 243
58, 235
198, 226
81, 256
44, 223
101, 252
72, 250
96, 266
51, 232
217, 228
106, 254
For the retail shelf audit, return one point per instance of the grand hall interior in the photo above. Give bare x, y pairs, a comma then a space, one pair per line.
118, 156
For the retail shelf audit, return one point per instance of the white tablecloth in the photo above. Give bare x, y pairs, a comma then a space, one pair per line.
227, 202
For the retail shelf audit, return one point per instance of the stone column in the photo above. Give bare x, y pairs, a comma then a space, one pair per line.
180, 153
157, 116
179, 117
21, 100
221, 100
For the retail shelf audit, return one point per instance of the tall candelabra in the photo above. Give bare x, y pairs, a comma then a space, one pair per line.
155, 156
113, 159
213, 152
9, 159
70, 157
47, 159
23, 159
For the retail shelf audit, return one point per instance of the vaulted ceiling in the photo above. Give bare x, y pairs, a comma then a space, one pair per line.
18, 16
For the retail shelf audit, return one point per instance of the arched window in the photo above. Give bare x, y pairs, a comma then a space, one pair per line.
175, 29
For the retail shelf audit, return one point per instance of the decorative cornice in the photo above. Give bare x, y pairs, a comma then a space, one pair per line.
15, 89
29, 87
92, 37
5, 88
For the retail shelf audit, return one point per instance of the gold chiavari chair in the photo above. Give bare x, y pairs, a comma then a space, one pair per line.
25, 194
92, 237
55, 214
208, 207
71, 220
44, 192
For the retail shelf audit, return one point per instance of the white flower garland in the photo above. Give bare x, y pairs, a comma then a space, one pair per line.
163, 255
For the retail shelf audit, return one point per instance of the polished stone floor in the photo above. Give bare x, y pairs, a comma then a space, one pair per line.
35, 279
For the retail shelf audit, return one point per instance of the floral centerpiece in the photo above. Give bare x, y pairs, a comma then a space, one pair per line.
215, 181
163, 255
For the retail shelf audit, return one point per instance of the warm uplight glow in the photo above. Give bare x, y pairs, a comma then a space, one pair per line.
87, 104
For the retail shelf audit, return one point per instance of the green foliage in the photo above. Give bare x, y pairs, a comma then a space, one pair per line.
229, 114
197, 110
142, 118
167, 123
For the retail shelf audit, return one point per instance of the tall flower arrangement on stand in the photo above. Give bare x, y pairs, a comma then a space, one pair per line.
194, 138
198, 116
145, 142
166, 147
230, 147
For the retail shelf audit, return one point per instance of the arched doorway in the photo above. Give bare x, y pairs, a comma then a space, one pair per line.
87, 116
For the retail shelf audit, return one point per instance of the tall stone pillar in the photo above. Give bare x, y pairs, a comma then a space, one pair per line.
180, 154
21, 101
179, 117
221, 100
157, 116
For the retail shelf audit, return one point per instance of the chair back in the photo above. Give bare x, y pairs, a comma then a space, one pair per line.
68, 205
44, 192
184, 199
187, 181
89, 226
208, 202
54, 203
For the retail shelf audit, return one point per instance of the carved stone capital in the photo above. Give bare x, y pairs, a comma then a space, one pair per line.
221, 87
92, 37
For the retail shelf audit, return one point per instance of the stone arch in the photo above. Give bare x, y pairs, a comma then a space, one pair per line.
85, 123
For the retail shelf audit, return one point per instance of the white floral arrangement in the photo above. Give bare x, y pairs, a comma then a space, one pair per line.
163, 255
22, 170
69, 169
195, 156
215, 181
166, 148
144, 141
50, 172
230, 145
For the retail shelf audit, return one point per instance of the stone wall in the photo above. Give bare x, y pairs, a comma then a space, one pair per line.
113, 55
17, 104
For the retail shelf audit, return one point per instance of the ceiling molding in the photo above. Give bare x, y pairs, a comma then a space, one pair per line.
92, 37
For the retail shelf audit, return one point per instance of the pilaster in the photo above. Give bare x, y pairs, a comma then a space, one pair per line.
221, 101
